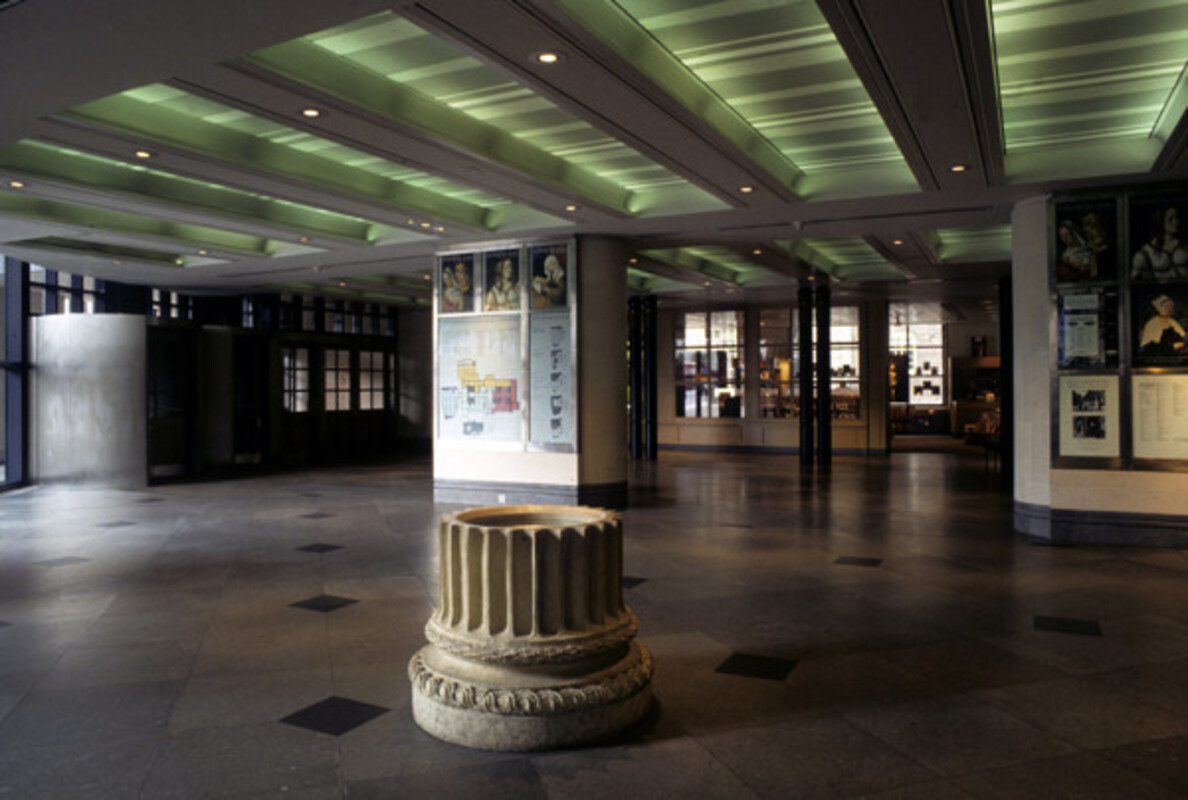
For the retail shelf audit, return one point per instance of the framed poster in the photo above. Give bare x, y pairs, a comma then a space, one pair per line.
501, 280
1158, 318
479, 378
1086, 241
1159, 408
549, 284
1158, 252
553, 396
1087, 330
455, 284
1089, 416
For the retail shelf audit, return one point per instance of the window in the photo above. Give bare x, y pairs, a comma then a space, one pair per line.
845, 382
53, 292
917, 343
709, 363
778, 364
295, 369
338, 380
309, 319
248, 312
371, 381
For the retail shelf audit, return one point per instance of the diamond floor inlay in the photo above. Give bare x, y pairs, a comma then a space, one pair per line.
64, 561
325, 603
630, 582
856, 561
122, 523
151, 500
754, 666
334, 716
1083, 627
319, 547
317, 515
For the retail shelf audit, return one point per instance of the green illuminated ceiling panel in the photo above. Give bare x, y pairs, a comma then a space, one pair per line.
409, 59
849, 259
173, 117
74, 168
779, 66
956, 245
718, 263
185, 236
1091, 71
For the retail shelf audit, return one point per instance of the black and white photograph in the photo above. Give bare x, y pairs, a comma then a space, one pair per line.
1089, 427
1090, 400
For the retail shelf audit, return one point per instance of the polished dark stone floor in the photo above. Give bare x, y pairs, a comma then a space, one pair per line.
163, 657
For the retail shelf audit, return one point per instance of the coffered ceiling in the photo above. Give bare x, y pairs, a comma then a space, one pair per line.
740, 145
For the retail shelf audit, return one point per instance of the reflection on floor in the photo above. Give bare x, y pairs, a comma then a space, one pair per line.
877, 630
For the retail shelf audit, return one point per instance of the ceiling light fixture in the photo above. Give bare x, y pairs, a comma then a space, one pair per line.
571, 208
633, 261
16, 184
547, 57
202, 252
303, 239
309, 112
897, 242
426, 224
707, 283
746, 189
143, 154
439, 229
959, 168
756, 252
427, 276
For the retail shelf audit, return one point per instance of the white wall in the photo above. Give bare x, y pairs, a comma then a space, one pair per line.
88, 400
1032, 312
414, 345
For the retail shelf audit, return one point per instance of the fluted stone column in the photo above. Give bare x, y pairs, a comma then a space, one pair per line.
531, 646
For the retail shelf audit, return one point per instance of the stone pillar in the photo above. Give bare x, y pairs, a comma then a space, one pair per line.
531, 646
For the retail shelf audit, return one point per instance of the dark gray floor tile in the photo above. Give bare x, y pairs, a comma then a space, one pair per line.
325, 603
101, 768
1082, 627
320, 548
334, 716
1082, 775
815, 756
1163, 762
512, 779
243, 761
858, 561
750, 665
96, 714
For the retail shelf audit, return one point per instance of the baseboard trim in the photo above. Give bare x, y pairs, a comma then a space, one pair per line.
492, 493
1074, 526
740, 448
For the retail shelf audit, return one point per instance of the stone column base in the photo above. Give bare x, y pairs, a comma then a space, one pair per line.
491, 707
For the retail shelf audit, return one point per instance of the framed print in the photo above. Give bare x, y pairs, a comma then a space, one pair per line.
1087, 327
501, 284
456, 284
478, 378
549, 287
1158, 322
1158, 251
1159, 407
1086, 241
1089, 416
553, 413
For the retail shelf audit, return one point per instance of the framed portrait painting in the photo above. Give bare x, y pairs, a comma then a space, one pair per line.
501, 280
455, 287
1086, 241
1158, 247
550, 281
1159, 318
